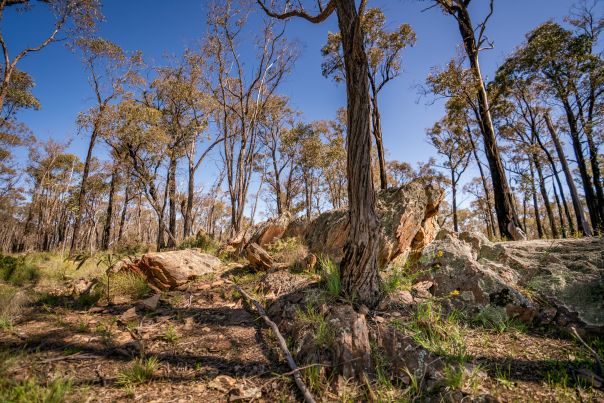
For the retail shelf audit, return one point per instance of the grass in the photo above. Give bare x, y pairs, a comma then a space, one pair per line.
312, 317
495, 318
204, 242
458, 377
330, 276
170, 335
139, 372
290, 251
30, 391
399, 277
16, 271
439, 333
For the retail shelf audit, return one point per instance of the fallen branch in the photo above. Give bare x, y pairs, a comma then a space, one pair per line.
599, 365
290, 360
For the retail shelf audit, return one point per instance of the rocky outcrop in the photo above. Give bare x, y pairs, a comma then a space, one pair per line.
169, 270
259, 259
407, 217
270, 230
557, 282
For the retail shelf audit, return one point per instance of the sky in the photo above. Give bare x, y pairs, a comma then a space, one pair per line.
162, 28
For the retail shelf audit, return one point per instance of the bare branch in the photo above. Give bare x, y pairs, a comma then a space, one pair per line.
315, 19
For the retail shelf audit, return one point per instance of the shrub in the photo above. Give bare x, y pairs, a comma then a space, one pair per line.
15, 270
201, 241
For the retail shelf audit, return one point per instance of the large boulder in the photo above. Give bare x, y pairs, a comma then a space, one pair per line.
558, 282
259, 259
169, 270
407, 218
270, 230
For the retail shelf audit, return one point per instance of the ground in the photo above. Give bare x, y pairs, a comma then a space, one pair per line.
206, 342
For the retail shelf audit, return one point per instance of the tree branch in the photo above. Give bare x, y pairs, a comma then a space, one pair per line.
315, 19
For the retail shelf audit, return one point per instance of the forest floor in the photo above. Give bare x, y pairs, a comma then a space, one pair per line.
206, 342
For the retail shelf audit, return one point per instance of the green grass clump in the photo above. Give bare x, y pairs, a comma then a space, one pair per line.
330, 276
311, 316
16, 271
126, 284
139, 372
436, 331
204, 242
170, 335
30, 391
495, 318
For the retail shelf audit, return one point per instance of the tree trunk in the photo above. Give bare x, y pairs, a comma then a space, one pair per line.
120, 233
377, 134
560, 216
173, 203
535, 203
188, 218
545, 197
106, 239
504, 206
82, 196
483, 179
359, 267
582, 224
454, 201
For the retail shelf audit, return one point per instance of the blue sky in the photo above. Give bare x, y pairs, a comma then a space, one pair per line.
161, 28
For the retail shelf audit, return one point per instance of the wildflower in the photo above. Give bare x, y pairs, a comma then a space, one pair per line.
454, 293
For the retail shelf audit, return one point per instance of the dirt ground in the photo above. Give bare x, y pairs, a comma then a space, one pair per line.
209, 345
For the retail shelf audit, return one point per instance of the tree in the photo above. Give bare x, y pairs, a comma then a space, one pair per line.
359, 267
82, 15
449, 137
473, 45
241, 93
110, 70
564, 62
383, 50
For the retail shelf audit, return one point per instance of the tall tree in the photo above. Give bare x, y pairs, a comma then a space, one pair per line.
110, 70
383, 50
473, 44
359, 267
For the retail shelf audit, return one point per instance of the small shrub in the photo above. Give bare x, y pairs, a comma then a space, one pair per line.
170, 335
140, 371
330, 276
130, 249
130, 285
204, 242
16, 271
312, 317
290, 251
496, 318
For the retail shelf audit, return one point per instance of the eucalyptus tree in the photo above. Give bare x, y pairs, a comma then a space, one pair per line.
449, 137
110, 71
359, 267
241, 91
474, 41
572, 74
383, 48
72, 17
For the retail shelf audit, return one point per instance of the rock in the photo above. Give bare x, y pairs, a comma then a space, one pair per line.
129, 315
296, 228
222, 383
151, 302
407, 218
566, 278
351, 349
310, 262
420, 289
244, 394
169, 270
270, 230
83, 286
259, 259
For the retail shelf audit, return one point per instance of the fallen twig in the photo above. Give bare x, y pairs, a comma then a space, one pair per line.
76, 356
591, 350
290, 360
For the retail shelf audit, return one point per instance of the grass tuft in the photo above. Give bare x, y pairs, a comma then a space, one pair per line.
139, 372
330, 276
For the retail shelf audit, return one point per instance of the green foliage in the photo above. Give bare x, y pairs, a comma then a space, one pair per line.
16, 271
400, 278
131, 285
311, 316
496, 318
29, 391
437, 332
204, 242
459, 377
330, 276
139, 372
170, 335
